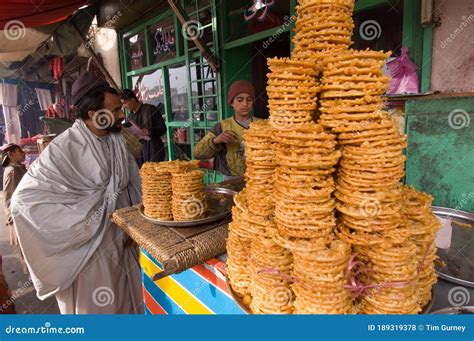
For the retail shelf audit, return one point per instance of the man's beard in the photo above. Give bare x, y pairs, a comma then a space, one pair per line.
115, 128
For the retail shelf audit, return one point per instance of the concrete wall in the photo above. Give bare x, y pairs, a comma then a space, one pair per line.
453, 46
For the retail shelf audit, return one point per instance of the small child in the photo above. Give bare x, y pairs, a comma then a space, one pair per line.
12, 158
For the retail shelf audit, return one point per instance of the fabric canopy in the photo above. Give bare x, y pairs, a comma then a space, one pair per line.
16, 45
25, 52
32, 13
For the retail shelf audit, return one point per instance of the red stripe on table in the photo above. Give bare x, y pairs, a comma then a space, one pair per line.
211, 277
154, 307
213, 261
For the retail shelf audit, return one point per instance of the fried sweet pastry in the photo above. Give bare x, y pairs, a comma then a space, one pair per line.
157, 193
189, 199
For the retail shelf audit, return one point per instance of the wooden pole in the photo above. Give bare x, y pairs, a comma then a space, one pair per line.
185, 21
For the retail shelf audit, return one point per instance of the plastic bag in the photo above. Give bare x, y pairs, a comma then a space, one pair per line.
403, 72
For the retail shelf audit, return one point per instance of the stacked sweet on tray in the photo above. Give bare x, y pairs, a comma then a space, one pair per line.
173, 191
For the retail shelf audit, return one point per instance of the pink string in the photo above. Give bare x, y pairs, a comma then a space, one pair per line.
358, 274
420, 267
277, 272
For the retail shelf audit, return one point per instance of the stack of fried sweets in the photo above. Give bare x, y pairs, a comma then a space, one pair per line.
368, 180
303, 182
323, 27
372, 163
270, 271
320, 277
255, 262
393, 275
304, 207
238, 249
423, 225
292, 89
189, 199
260, 167
352, 87
244, 229
173, 190
157, 193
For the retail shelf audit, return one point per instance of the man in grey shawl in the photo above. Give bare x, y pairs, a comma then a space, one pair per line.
62, 210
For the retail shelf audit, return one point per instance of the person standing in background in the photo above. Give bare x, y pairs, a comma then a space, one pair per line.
12, 158
224, 140
150, 120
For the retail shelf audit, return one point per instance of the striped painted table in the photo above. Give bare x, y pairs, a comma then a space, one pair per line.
199, 290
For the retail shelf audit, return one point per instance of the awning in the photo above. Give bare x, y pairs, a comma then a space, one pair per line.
15, 45
25, 52
32, 13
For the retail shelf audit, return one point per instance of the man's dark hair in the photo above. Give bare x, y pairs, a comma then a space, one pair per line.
129, 94
92, 101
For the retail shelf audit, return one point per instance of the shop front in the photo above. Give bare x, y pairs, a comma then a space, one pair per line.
160, 61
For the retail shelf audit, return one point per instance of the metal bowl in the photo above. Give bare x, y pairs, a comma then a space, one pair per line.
237, 298
426, 309
219, 202
460, 254
455, 311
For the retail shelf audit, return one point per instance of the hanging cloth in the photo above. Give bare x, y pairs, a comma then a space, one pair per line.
8, 99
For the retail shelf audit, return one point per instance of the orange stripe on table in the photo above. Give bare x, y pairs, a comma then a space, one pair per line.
153, 306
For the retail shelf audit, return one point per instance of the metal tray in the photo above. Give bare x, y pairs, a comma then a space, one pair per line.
454, 311
238, 299
426, 309
459, 257
219, 202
